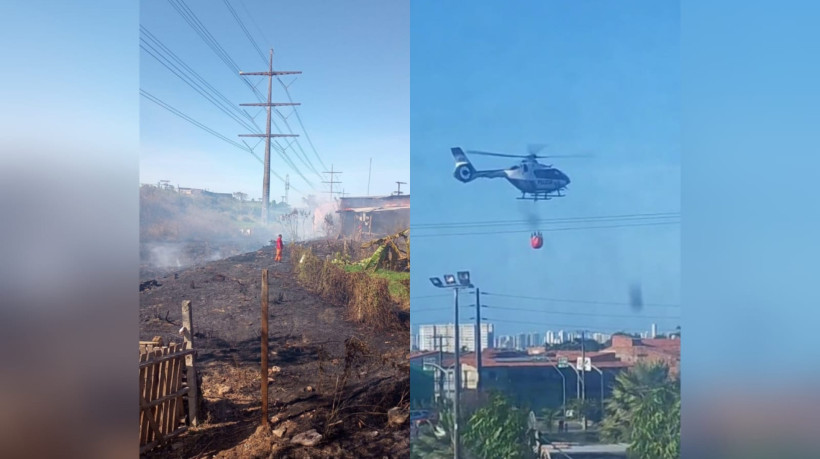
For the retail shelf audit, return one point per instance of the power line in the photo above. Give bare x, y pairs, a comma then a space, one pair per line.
559, 300
228, 103
195, 86
484, 233
205, 128
299, 118
203, 91
245, 29
589, 314
303, 158
506, 222
188, 15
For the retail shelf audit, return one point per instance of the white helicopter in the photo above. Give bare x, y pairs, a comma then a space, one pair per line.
536, 181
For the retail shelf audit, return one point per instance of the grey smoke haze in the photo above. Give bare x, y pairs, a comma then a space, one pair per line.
530, 213
636, 296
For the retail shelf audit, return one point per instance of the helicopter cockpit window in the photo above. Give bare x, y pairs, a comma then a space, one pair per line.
525, 168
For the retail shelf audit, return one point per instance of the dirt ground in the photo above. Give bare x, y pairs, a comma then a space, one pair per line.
326, 373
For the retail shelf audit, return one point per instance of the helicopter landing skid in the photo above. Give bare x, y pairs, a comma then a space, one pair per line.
540, 196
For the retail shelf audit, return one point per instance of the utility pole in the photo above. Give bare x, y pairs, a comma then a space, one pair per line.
287, 187
478, 339
331, 182
398, 193
369, 170
583, 377
267, 135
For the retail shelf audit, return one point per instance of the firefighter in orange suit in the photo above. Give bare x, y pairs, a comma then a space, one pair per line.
279, 247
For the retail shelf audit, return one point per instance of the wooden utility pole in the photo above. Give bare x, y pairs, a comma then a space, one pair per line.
398, 192
190, 375
331, 181
267, 135
264, 347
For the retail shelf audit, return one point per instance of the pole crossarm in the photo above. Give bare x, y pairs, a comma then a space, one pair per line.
274, 104
278, 72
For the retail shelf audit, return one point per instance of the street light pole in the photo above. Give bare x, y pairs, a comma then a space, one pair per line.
462, 280
602, 388
564, 392
457, 377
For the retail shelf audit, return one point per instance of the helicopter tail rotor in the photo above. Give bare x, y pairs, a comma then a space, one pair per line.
465, 171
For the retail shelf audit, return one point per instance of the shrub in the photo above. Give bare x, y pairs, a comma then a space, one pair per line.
366, 298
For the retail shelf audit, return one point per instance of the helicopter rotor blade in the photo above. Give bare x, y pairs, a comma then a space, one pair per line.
534, 148
485, 153
565, 156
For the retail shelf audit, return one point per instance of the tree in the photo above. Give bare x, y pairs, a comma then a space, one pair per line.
656, 424
290, 223
497, 429
644, 411
242, 197
329, 225
626, 393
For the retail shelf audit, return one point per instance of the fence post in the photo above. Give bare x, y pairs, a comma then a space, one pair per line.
188, 340
264, 347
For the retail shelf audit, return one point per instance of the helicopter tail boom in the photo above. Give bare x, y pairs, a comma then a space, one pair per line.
465, 172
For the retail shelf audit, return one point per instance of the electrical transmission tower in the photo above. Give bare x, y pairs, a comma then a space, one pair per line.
267, 135
332, 182
287, 187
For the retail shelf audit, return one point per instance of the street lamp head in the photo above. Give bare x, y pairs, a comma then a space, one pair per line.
464, 278
450, 280
436, 281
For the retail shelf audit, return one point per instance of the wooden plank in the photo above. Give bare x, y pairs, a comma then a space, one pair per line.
188, 338
156, 360
143, 420
169, 389
264, 375
165, 398
161, 373
153, 431
177, 406
173, 387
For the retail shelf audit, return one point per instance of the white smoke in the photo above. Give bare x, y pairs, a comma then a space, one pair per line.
319, 213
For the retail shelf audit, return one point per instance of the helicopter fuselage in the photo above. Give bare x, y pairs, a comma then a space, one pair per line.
529, 176
533, 177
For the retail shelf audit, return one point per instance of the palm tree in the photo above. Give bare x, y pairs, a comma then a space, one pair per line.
626, 396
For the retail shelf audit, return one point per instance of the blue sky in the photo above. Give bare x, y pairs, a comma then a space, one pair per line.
354, 92
582, 77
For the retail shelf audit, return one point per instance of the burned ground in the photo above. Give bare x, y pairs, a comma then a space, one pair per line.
326, 373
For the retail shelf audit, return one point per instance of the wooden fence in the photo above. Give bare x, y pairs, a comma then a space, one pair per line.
164, 387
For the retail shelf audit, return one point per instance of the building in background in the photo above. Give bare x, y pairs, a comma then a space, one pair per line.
374, 216
432, 337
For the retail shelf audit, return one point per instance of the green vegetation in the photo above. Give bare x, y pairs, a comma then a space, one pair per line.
497, 429
367, 298
644, 411
398, 283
